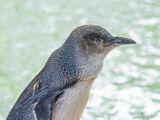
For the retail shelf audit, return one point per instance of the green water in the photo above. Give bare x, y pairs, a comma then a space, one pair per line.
128, 88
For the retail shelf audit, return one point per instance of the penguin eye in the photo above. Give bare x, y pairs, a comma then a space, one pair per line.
93, 39
97, 40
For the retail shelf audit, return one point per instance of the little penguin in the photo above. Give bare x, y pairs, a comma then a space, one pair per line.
60, 91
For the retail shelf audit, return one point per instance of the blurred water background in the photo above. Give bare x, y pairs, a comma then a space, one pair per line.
128, 88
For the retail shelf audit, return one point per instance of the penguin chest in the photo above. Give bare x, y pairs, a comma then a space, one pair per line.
73, 101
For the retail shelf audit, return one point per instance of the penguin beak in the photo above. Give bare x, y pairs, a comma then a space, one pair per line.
121, 41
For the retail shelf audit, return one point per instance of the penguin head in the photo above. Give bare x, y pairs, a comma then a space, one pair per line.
95, 40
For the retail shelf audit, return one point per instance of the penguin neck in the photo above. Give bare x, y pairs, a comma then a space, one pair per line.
79, 64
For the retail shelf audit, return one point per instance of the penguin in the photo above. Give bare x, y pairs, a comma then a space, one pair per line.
60, 91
